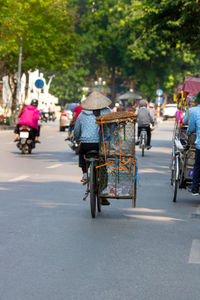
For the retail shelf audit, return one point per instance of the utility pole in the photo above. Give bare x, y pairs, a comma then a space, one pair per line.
19, 75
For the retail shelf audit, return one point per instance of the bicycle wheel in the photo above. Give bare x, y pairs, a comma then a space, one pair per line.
92, 189
142, 151
175, 178
134, 194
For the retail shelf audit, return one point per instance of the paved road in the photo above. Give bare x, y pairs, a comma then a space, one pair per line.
51, 248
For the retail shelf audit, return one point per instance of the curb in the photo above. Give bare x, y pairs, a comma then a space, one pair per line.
6, 127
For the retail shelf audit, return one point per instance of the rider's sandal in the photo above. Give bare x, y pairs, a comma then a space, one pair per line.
104, 201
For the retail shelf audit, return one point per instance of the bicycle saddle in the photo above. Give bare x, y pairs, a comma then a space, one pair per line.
92, 153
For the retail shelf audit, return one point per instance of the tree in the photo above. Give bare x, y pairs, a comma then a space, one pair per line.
177, 22
45, 30
67, 85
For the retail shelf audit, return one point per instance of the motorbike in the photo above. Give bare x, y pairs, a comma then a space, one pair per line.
26, 139
52, 117
44, 117
74, 145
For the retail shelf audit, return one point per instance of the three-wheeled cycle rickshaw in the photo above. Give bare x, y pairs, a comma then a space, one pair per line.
183, 149
113, 171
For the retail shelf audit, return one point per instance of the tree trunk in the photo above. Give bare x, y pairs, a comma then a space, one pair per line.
113, 87
13, 87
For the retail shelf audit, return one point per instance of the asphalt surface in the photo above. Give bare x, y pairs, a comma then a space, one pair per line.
51, 248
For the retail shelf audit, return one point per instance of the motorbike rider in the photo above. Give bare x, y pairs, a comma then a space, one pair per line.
86, 129
144, 119
76, 112
51, 110
30, 117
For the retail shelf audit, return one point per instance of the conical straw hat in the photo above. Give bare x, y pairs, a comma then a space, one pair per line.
95, 100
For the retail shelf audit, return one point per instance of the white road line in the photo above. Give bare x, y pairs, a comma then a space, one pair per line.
54, 166
194, 257
19, 178
198, 209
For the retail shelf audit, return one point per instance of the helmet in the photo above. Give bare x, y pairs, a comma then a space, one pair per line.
34, 102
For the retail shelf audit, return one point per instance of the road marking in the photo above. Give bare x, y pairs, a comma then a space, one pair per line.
194, 257
54, 166
198, 209
19, 178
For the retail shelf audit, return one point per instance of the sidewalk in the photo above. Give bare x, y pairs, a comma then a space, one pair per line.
7, 127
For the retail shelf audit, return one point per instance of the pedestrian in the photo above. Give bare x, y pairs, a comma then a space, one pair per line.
192, 118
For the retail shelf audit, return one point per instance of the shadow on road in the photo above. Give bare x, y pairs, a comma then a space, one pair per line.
52, 156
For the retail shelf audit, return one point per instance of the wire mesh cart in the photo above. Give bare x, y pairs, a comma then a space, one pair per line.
118, 168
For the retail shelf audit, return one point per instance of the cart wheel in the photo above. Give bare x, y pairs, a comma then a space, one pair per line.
175, 178
92, 190
99, 203
134, 194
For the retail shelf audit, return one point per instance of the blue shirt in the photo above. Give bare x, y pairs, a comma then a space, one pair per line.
194, 123
86, 130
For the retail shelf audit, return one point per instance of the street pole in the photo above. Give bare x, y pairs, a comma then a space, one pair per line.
19, 75
158, 108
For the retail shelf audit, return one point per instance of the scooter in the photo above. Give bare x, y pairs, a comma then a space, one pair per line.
74, 145
51, 117
44, 117
26, 139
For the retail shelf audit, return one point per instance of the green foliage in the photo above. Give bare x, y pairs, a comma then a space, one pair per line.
45, 30
67, 86
177, 22
153, 43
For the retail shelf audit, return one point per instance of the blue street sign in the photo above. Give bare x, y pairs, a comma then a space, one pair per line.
159, 92
161, 100
39, 83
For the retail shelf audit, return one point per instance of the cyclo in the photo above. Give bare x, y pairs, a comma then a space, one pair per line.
183, 149
113, 171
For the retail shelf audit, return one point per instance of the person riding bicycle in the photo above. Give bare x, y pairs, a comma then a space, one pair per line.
86, 130
144, 119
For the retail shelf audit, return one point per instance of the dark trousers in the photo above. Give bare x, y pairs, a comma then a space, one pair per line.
84, 148
148, 130
196, 171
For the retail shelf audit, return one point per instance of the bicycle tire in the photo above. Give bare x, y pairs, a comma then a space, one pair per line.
92, 189
134, 194
142, 151
175, 179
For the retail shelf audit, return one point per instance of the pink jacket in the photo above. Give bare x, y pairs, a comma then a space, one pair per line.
30, 116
